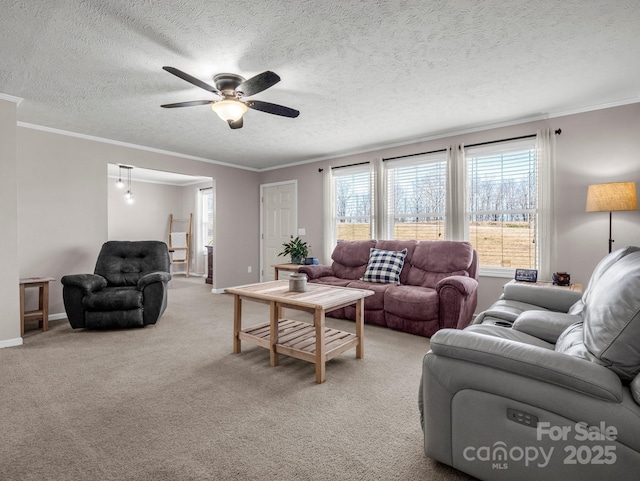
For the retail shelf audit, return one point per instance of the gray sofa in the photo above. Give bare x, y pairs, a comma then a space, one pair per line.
555, 397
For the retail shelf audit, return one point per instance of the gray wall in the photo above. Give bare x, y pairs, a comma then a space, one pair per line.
63, 209
148, 217
61, 215
594, 147
10, 272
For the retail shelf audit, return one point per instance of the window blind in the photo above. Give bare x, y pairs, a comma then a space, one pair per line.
502, 203
353, 191
416, 197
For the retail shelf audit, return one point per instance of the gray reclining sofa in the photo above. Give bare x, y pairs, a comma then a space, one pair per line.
554, 397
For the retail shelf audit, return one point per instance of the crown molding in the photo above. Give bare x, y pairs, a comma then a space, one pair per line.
441, 135
10, 98
131, 146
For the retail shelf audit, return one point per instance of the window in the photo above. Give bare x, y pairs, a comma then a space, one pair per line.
503, 203
498, 196
416, 198
206, 219
353, 202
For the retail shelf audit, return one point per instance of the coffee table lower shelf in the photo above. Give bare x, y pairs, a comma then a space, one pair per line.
298, 339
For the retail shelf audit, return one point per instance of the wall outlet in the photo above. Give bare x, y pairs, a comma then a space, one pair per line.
302, 231
249, 269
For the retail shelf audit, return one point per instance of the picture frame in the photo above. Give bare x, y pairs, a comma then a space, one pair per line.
527, 275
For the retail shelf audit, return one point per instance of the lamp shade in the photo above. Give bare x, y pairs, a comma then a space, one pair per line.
612, 196
229, 109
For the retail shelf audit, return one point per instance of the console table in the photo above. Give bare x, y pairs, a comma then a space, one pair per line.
284, 267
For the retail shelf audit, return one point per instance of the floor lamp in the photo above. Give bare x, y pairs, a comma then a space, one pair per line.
610, 197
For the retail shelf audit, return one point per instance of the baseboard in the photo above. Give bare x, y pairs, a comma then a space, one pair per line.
11, 342
218, 291
57, 317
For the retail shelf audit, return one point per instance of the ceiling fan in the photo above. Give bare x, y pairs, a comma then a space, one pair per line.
231, 90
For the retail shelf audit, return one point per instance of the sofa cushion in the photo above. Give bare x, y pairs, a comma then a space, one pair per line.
350, 258
113, 299
123, 263
612, 317
376, 301
435, 260
332, 281
398, 245
384, 266
412, 302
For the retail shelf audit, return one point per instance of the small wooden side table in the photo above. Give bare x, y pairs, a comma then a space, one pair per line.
284, 267
42, 313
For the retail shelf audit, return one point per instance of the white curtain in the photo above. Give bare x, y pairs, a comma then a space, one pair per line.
328, 216
546, 155
456, 222
378, 200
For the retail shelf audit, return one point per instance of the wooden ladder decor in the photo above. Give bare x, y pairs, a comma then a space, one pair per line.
180, 241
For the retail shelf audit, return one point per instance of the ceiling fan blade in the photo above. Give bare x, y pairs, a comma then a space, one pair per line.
187, 104
235, 125
272, 108
193, 80
257, 84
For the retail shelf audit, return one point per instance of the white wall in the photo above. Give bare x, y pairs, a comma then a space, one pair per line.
594, 147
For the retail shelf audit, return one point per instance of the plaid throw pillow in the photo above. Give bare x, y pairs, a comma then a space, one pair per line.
384, 266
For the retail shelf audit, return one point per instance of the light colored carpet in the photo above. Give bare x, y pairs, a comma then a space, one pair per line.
171, 402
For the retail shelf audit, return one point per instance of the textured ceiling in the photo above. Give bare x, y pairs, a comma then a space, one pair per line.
363, 74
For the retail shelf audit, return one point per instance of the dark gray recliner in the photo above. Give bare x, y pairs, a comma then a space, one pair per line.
128, 287
555, 397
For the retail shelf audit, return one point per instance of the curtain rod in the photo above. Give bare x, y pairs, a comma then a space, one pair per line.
348, 165
412, 155
557, 132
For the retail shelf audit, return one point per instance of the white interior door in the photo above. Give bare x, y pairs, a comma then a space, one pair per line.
279, 223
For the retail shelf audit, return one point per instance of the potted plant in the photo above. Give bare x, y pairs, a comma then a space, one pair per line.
297, 249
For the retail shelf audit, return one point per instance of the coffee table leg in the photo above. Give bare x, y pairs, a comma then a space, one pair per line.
360, 328
318, 321
237, 323
274, 310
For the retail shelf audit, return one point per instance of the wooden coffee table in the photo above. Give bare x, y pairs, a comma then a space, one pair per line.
315, 342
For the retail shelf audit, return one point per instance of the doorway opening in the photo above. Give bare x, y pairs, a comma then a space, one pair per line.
156, 196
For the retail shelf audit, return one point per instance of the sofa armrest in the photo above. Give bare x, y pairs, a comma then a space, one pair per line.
548, 297
76, 287
315, 272
545, 325
458, 299
159, 276
86, 282
465, 285
530, 361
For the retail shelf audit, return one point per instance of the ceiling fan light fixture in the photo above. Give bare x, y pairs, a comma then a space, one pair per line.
229, 109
